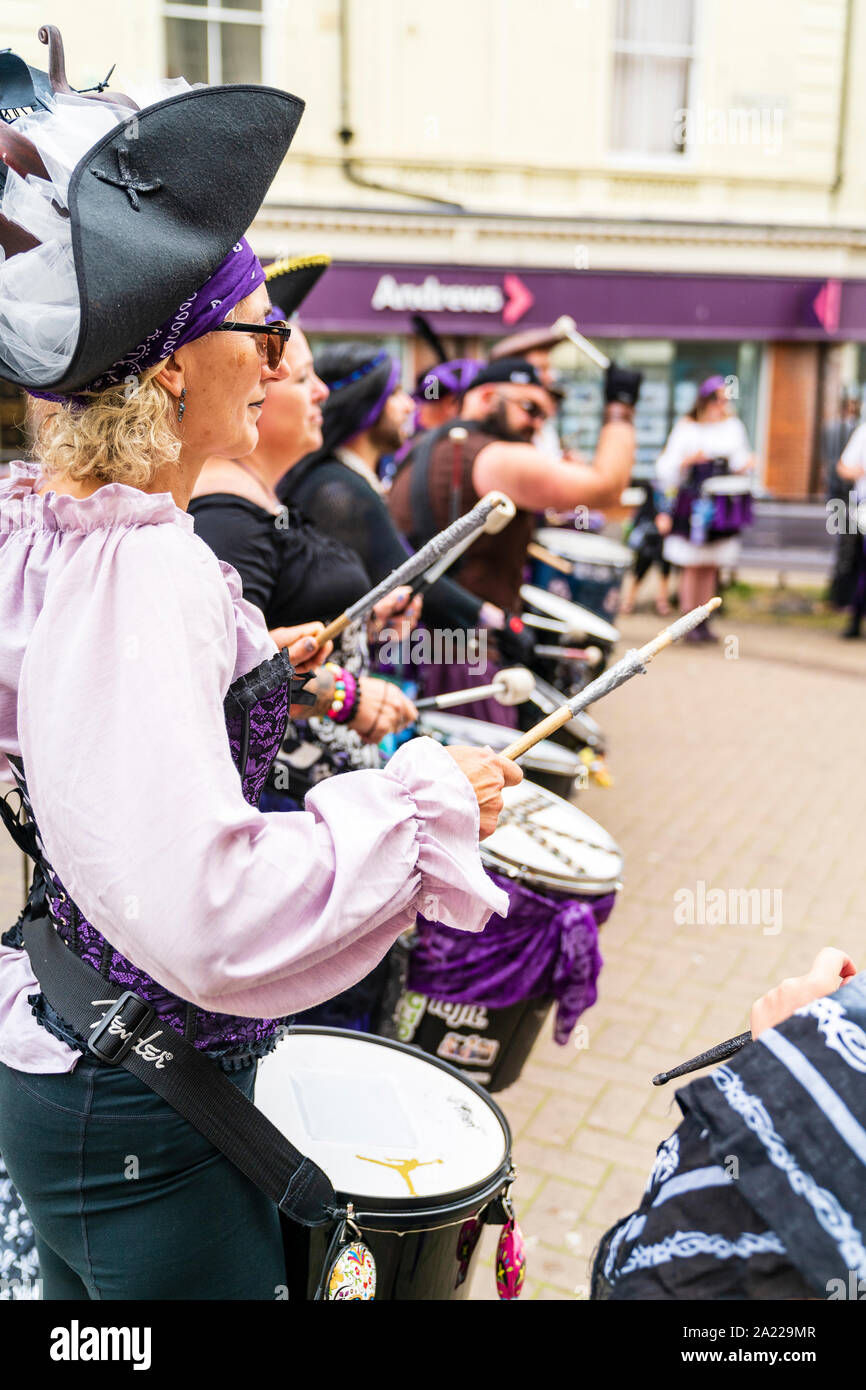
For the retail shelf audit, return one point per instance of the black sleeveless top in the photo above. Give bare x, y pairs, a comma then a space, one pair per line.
290, 570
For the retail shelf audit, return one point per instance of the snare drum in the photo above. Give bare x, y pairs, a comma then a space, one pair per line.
598, 567
549, 764
480, 1000
580, 622
422, 1155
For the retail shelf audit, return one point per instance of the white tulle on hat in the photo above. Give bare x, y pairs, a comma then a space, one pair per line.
39, 295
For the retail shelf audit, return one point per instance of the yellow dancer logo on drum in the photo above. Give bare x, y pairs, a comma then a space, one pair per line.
403, 1166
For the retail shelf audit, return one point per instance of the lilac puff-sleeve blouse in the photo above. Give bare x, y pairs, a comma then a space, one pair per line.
120, 633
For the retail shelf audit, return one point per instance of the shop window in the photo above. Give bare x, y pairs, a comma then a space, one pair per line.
214, 43
654, 53
672, 372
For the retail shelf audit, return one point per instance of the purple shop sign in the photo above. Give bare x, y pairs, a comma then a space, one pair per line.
380, 298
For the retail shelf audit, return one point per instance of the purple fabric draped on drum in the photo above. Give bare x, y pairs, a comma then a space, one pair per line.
548, 945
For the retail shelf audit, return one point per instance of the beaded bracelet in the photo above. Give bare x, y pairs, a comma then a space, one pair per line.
347, 694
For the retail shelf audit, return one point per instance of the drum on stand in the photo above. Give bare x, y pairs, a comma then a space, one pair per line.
551, 856
598, 567
421, 1154
549, 764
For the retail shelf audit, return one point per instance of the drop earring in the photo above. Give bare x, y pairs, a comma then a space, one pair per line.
181, 406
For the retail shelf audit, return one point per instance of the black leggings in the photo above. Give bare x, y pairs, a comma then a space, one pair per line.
127, 1200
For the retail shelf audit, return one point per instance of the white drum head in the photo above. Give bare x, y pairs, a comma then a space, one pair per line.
546, 756
542, 839
728, 485
386, 1124
578, 620
584, 547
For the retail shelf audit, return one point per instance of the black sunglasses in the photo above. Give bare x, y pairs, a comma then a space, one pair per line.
272, 346
532, 409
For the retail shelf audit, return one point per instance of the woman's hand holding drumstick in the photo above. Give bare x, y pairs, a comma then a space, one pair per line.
830, 970
488, 772
306, 649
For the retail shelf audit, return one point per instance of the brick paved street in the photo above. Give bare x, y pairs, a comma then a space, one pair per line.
743, 773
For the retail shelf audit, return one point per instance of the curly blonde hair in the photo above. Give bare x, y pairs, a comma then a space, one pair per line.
124, 435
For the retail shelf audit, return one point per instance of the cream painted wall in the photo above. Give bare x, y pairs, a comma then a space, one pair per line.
505, 108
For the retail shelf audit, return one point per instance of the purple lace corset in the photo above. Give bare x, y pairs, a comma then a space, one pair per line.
256, 712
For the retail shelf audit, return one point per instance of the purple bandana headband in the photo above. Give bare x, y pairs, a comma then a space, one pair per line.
378, 405
235, 278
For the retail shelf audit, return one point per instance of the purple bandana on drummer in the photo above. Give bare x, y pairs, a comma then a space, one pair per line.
235, 278
378, 405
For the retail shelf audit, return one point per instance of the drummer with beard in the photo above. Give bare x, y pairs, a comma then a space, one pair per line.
337, 486
446, 474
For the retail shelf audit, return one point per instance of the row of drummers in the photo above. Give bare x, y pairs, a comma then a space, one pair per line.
309, 527
479, 1002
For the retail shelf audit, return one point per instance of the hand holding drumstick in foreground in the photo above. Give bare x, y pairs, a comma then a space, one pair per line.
831, 968
488, 773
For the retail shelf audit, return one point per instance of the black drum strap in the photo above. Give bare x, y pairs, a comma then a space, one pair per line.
125, 1031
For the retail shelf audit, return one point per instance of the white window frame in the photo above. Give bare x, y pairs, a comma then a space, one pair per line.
213, 16
635, 159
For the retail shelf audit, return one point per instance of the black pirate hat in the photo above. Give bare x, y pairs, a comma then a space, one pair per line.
290, 280
153, 208
22, 88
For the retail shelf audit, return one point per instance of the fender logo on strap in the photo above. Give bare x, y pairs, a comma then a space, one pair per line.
144, 1047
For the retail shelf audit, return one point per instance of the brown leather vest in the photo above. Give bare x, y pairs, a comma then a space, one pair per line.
492, 567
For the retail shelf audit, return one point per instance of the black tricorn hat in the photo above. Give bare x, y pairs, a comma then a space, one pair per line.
21, 87
155, 206
290, 280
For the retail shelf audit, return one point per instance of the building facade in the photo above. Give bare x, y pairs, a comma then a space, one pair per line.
682, 177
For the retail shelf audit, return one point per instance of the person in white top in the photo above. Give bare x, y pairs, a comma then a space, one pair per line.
708, 433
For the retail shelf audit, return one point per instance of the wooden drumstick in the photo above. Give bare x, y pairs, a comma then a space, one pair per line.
556, 562
632, 664
720, 1053
490, 514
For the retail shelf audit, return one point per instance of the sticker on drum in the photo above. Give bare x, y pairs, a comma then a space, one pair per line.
387, 1124
545, 756
576, 618
543, 840
468, 1049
